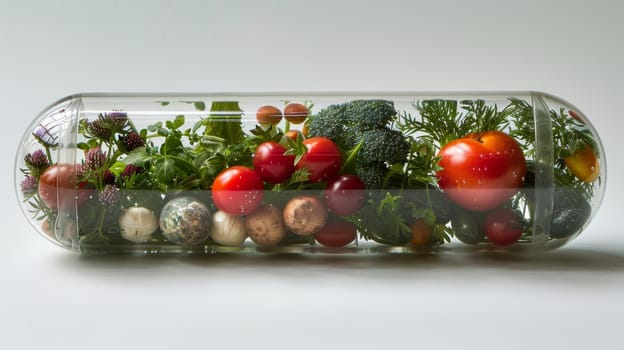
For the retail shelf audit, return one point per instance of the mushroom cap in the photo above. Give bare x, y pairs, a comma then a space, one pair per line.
305, 215
265, 226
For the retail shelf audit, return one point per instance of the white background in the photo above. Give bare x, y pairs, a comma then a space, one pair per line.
570, 299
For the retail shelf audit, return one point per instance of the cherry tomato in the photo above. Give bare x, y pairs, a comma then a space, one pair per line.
294, 134
322, 159
336, 234
584, 164
421, 233
481, 171
345, 195
268, 115
58, 188
271, 164
296, 113
503, 227
237, 190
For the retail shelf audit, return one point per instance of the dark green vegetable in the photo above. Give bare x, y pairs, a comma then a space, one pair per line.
372, 175
467, 226
367, 122
570, 212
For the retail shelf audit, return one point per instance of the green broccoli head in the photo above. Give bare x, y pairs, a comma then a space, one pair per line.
366, 122
368, 114
372, 175
329, 122
383, 145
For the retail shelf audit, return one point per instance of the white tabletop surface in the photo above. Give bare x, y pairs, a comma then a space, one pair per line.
572, 298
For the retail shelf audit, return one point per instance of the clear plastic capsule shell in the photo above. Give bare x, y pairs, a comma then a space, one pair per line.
310, 173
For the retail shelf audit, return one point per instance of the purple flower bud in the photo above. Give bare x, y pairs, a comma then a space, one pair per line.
130, 170
108, 178
133, 141
37, 159
110, 195
80, 171
117, 119
99, 129
29, 185
95, 159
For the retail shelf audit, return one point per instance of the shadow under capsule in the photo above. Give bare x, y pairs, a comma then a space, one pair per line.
582, 259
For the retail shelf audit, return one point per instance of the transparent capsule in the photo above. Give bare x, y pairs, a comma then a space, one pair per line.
367, 173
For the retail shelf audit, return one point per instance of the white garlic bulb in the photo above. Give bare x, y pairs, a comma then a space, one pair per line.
137, 224
228, 229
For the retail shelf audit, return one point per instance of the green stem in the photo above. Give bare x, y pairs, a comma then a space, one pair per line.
48, 153
287, 127
101, 222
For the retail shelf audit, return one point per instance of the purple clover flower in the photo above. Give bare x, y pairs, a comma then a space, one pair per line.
116, 118
28, 185
110, 195
133, 141
95, 159
38, 159
98, 129
108, 178
130, 170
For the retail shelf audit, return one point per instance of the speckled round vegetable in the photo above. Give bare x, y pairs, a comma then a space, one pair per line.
186, 221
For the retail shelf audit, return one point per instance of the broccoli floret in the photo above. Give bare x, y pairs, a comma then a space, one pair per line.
330, 122
367, 122
372, 174
368, 114
383, 145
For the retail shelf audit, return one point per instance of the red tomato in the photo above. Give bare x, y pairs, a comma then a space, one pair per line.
503, 227
481, 171
271, 163
322, 159
336, 234
58, 189
345, 195
237, 190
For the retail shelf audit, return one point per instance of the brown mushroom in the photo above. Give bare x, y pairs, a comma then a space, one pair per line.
265, 226
305, 215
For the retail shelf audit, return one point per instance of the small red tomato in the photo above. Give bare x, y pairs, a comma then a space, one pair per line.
336, 234
322, 159
58, 189
268, 115
271, 164
345, 195
296, 113
481, 171
503, 227
294, 134
237, 190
